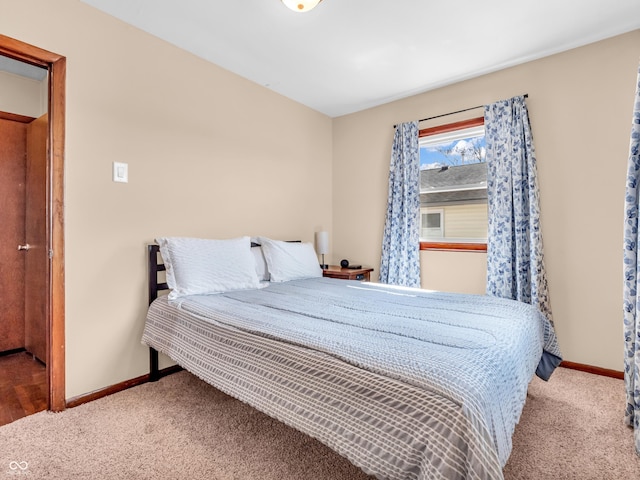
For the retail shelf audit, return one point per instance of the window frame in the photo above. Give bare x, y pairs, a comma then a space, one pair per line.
452, 246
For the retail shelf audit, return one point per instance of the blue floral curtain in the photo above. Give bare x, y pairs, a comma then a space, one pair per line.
632, 277
515, 266
400, 262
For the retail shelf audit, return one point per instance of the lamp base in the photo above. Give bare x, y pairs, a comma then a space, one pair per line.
323, 265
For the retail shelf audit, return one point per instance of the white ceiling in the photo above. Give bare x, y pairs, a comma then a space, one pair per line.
349, 55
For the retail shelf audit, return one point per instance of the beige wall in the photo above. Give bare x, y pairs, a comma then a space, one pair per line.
209, 155
213, 155
22, 96
457, 271
580, 103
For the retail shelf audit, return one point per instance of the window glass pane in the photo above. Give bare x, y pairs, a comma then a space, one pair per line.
453, 186
460, 147
433, 220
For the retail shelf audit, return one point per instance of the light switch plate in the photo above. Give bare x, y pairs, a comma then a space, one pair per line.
120, 172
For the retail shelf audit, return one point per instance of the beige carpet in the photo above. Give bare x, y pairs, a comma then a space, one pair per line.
571, 428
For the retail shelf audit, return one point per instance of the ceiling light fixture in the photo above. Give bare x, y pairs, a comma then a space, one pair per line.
301, 5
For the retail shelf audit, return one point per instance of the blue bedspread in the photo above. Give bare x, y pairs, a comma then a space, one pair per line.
479, 352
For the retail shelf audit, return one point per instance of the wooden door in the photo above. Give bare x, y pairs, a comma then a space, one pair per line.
36, 284
12, 229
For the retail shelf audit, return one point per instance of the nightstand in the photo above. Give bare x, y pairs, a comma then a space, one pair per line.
335, 271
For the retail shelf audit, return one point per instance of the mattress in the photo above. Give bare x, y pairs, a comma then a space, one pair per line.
406, 384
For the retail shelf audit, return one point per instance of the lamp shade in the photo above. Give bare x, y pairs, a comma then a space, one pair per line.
301, 5
322, 242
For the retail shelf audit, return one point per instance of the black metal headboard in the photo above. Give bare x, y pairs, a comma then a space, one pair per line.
154, 268
155, 286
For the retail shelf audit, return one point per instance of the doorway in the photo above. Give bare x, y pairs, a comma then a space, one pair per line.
23, 242
50, 280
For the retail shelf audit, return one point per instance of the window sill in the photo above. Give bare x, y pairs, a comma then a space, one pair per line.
453, 247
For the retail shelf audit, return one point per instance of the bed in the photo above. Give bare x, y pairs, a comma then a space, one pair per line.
405, 383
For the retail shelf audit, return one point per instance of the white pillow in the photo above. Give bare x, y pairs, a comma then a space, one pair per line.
261, 263
198, 266
290, 260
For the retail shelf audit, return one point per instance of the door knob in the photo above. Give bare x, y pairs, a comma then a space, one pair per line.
24, 247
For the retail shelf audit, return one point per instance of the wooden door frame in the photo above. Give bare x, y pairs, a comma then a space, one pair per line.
56, 66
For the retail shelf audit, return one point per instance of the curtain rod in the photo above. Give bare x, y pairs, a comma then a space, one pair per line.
526, 95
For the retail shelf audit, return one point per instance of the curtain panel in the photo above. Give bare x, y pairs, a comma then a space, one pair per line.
400, 261
515, 260
515, 264
631, 266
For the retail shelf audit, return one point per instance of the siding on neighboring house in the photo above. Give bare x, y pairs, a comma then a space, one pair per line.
461, 222
451, 191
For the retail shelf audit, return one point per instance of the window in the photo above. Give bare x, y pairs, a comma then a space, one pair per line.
453, 187
432, 224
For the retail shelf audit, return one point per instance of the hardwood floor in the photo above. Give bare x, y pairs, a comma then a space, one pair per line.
23, 386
